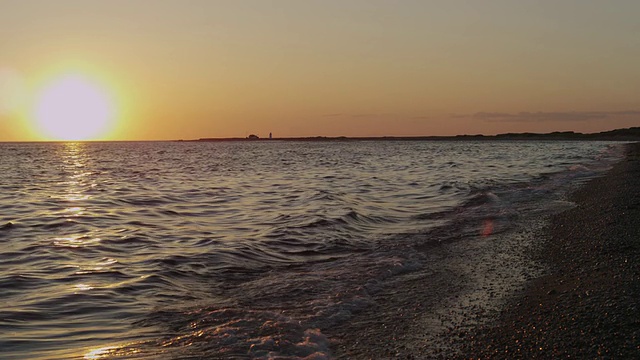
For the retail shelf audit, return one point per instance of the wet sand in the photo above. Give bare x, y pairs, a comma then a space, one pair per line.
587, 305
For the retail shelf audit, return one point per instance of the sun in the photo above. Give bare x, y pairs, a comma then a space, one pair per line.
73, 107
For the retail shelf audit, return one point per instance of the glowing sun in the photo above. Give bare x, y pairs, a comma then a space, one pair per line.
73, 107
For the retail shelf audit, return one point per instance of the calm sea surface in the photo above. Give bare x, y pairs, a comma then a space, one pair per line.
245, 249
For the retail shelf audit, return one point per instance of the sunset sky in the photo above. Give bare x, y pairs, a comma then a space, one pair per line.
188, 69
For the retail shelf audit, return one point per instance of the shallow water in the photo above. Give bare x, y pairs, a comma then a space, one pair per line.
244, 249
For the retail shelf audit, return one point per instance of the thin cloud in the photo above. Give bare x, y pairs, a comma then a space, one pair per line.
361, 116
540, 116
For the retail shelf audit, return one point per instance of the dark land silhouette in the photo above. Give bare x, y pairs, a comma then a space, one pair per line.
627, 134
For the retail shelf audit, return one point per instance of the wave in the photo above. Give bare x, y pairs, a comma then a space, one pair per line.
225, 250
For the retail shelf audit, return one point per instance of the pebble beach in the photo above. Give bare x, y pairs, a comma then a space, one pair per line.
565, 289
586, 303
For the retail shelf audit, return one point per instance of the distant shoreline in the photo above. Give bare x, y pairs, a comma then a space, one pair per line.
629, 134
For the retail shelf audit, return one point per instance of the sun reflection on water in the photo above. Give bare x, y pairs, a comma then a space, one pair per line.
103, 265
83, 287
99, 353
76, 241
74, 211
74, 162
123, 352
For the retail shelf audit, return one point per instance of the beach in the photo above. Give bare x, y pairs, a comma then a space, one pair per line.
565, 289
586, 304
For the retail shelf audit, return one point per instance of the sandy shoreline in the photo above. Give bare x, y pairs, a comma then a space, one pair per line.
586, 305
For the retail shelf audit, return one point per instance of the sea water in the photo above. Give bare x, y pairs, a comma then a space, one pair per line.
253, 249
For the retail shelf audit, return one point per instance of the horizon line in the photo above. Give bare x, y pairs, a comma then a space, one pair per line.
633, 132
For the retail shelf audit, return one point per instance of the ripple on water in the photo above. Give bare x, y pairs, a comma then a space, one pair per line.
241, 249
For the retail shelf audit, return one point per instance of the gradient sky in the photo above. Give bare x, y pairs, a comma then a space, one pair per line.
205, 68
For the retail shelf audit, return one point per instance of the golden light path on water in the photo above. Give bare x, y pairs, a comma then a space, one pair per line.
122, 351
76, 162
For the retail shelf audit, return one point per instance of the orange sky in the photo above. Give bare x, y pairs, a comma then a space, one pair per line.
205, 68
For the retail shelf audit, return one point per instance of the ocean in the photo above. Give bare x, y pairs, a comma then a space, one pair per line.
269, 249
